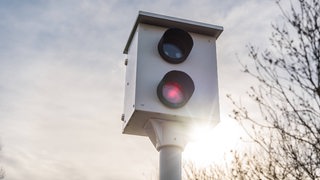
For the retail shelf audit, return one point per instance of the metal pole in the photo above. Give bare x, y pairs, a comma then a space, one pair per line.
170, 163
169, 138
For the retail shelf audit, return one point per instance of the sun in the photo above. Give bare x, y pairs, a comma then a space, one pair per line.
210, 145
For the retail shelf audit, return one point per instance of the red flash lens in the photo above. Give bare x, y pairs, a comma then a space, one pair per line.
175, 89
173, 92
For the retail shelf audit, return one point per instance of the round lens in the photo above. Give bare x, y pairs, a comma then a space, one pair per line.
175, 45
172, 50
172, 92
175, 89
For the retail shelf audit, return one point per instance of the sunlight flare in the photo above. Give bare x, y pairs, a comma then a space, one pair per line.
211, 145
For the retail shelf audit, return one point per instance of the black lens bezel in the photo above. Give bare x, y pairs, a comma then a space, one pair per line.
182, 79
180, 39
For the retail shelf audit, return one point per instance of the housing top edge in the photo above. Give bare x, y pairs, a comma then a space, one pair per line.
167, 21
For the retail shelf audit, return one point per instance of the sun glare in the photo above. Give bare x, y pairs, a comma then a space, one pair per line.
210, 145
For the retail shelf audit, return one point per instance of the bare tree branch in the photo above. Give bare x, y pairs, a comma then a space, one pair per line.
287, 132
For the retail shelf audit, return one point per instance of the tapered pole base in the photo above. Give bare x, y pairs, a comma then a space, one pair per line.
169, 138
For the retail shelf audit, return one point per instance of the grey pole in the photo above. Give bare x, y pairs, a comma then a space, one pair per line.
169, 138
170, 163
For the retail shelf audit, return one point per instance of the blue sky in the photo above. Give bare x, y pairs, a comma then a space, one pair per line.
62, 81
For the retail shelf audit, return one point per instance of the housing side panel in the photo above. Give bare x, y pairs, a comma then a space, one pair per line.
130, 82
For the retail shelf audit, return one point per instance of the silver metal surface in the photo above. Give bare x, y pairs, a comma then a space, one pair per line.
146, 68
